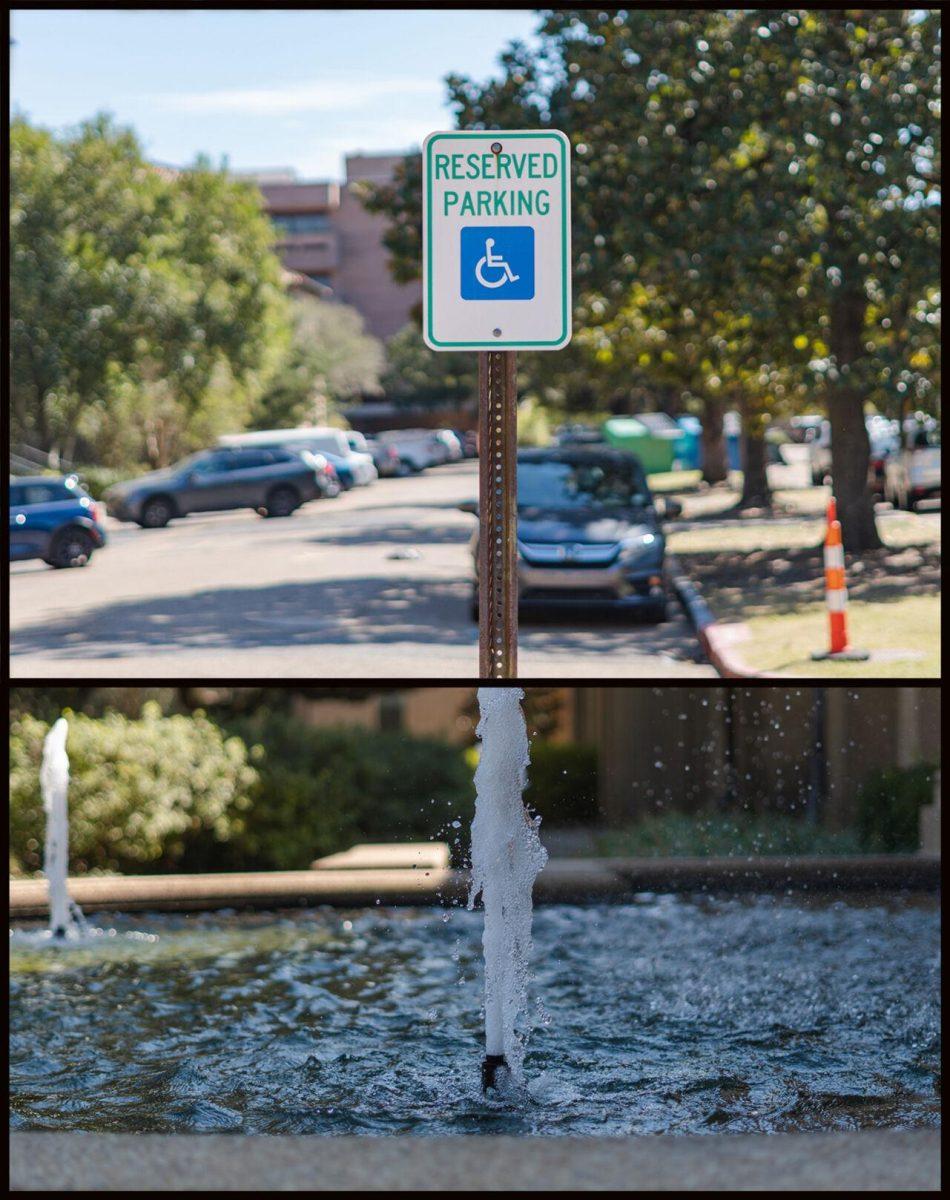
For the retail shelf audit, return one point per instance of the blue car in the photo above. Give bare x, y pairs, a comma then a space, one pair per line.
344, 472
53, 519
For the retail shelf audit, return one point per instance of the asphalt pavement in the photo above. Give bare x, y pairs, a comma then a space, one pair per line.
375, 584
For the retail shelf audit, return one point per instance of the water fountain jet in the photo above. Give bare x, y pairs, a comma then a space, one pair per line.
506, 857
65, 915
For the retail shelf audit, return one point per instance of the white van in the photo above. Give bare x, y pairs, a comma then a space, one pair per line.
320, 439
417, 448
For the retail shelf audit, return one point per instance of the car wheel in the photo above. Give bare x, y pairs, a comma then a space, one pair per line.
71, 548
281, 502
156, 513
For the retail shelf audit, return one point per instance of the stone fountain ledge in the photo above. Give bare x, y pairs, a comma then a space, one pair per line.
574, 881
872, 1160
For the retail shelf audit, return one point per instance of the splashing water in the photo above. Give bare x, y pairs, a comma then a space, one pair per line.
506, 857
66, 917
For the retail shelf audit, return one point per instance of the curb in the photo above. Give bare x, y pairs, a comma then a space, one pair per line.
865, 1160
563, 881
712, 636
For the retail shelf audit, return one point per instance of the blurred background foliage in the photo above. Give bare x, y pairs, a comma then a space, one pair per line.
150, 310
206, 778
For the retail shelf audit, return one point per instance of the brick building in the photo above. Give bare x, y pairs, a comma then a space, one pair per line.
327, 235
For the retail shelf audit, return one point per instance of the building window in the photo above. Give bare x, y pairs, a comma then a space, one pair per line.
324, 280
301, 222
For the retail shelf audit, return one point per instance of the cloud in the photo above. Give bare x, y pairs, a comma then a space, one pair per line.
332, 95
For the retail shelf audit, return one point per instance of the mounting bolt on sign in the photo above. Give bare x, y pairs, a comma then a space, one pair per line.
496, 278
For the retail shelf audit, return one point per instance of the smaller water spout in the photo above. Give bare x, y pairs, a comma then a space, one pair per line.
65, 915
506, 857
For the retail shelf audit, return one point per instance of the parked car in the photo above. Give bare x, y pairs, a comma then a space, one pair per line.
385, 457
578, 433
912, 473
417, 448
589, 532
453, 446
53, 519
468, 440
342, 468
816, 433
319, 439
272, 480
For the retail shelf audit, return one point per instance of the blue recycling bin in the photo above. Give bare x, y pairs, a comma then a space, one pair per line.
689, 452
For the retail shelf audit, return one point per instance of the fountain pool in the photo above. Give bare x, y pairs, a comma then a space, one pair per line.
670, 1014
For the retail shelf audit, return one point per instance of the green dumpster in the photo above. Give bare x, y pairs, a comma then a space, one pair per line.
655, 451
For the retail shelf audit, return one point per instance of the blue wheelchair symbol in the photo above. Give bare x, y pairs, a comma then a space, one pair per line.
497, 262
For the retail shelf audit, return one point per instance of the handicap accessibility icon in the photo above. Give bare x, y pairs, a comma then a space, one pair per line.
493, 260
497, 262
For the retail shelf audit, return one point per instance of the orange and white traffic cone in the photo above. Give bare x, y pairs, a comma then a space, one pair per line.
836, 594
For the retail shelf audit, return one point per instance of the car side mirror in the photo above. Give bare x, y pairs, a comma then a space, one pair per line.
468, 506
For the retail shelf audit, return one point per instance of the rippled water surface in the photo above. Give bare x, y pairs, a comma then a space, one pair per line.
668, 1015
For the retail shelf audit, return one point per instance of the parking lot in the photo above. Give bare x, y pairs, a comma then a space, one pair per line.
376, 584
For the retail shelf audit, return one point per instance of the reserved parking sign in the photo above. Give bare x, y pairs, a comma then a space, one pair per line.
496, 236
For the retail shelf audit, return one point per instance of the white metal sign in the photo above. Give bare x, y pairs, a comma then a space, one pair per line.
496, 240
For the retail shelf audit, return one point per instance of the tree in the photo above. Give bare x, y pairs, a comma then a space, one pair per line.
147, 304
837, 193
331, 359
416, 375
79, 217
779, 168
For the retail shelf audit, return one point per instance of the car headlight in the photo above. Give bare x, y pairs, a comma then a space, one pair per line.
644, 548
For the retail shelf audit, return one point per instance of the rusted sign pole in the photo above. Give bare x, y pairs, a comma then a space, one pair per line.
498, 515
496, 278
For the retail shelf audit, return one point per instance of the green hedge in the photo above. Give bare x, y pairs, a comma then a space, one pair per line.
562, 784
723, 834
321, 790
144, 793
98, 480
267, 791
889, 804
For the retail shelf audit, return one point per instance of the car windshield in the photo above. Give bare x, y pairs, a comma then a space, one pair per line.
191, 461
578, 485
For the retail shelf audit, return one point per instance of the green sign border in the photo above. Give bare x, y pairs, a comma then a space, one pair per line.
494, 135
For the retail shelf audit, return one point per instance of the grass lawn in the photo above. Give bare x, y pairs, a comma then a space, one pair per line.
766, 573
903, 636
675, 481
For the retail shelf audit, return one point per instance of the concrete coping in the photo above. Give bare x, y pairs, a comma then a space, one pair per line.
869, 1160
575, 881
371, 856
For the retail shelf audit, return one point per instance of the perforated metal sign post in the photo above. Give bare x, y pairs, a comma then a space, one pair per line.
496, 279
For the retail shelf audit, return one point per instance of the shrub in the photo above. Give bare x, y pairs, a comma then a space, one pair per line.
321, 790
98, 480
562, 784
144, 793
889, 804
723, 834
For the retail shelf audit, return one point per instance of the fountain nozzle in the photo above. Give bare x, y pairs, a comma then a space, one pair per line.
59, 934
490, 1068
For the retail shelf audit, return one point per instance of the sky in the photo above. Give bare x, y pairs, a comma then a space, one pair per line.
262, 88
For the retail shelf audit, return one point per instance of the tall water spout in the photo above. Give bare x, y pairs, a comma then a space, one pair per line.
506, 857
65, 914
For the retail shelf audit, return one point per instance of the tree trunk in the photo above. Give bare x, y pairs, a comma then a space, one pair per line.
713, 440
850, 446
755, 485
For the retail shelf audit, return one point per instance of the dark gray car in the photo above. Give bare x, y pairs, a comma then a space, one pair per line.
273, 481
589, 533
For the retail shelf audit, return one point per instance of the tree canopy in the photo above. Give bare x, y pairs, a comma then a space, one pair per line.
755, 206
